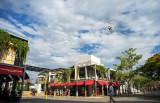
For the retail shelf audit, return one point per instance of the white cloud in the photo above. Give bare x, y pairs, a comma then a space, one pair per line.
56, 24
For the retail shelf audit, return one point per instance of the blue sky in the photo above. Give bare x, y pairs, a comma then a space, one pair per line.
61, 31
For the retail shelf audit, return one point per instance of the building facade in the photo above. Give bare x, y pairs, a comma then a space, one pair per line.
12, 72
86, 80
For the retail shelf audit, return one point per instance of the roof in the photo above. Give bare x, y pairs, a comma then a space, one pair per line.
37, 69
40, 69
57, 69
12, 35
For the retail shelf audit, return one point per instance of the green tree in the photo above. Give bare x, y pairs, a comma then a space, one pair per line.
45, 76
113, 75
151, 67
21, 46
67, 74
102, 70
28, 84
58, 80
128, 60
142, 82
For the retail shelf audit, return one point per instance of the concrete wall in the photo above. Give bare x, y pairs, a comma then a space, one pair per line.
38, 87
8, 56
88, 60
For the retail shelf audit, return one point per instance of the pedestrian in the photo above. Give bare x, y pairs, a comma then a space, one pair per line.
111, 93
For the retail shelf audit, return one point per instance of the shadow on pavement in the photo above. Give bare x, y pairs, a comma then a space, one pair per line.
136, 102
52, 101
147, 98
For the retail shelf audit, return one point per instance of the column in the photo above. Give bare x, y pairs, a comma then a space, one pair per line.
68, 90
85, 91
86, 75
102, 90
95, 82
85, 79
75, 68
77, 90
24, 70
78, 75
107, 89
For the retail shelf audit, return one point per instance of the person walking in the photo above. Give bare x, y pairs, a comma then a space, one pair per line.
111, 93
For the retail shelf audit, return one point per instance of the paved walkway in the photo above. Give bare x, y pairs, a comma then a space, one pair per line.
119, 99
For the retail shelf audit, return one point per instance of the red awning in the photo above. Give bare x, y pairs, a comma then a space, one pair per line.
80, 83
9, 70
115, 84
89, 82
111, 83
58, 84
71, 83
118, 84
26, 76
52, 84
100, 82
63, 84
106, 83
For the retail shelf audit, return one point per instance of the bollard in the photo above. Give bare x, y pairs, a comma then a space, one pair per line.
28, 94
46, 95
37, 94
54, 95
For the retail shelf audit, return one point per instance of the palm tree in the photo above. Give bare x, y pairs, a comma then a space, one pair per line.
102, 70
66, 76
44, 80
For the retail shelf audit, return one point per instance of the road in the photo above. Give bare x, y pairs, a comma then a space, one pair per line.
119, 99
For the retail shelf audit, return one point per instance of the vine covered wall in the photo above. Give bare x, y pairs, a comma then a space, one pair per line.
15, 43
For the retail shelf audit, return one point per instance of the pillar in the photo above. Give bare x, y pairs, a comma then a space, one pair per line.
85, 93
77, 90
95, 82
24, 70
75, 76
68, 90
86, 75
107, 90
102, 90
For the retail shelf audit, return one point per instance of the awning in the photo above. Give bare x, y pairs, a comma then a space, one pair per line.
63, 84
100, 82
80, 83
9, 70
52, 84
26, 76
8, 77
106, 83
118, 84
71, 83
114, 84
111, 83
58, 84
89, 82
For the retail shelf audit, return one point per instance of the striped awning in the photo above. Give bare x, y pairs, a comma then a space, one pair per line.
52, 84
80, 83
71, 83
100, 82
89, 82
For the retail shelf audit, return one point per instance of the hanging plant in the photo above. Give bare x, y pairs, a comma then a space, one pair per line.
7, 41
